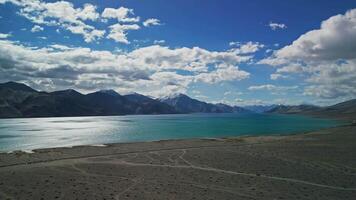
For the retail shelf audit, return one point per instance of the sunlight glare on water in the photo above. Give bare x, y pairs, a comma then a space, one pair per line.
34, 133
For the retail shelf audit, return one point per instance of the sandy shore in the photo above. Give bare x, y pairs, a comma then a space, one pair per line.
317, 165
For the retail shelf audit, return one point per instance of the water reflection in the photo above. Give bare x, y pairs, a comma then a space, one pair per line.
36, 133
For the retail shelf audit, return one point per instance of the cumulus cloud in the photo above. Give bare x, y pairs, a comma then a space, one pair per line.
151, 22
190, 59
63, 14
246, 48
122, 14
330, 92
118, 32
334, 40
335, 81
88, 12
223, 74
151, 69
166, 83
76, 20
326, 56
292, 68
4, 35
275, 26
36, 28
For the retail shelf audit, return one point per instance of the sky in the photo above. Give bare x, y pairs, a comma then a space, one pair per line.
238, 52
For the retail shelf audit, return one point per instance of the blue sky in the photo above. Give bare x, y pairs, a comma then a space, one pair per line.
236, 52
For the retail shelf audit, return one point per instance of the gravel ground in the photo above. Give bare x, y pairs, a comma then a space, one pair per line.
317, 165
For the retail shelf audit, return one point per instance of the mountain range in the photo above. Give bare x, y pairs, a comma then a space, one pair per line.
260, 108
20, 100
184, 104
345, 110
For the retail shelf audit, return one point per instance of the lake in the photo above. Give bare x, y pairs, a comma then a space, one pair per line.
34, 133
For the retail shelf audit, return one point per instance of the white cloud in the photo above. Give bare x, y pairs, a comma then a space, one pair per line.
325, 56
122, 14
61, 47
292, 68
118, 32
200, 96
277, 76
36, 28
196, 92
230, 73
63, 14
89, 36
275, 26
334, 80
227, 93
269, 50
159, 41
246, 48
151, 22
4, 35
248, 102
234, 43
148, 70
166, 83
334, 40
330, 92
88, 13
190, 59
271, 87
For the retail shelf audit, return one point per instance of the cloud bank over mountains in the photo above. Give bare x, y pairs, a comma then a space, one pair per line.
152, 69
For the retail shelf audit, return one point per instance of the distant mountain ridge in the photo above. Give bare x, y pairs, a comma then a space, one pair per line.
260, 108
20, 100
184, 104
285, 109
16, 86
149, 105
345, 110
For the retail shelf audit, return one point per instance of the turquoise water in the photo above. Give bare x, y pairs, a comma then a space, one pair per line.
34, 133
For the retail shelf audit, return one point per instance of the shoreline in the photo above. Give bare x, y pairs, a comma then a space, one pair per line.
341, 122
241, 138
30, 151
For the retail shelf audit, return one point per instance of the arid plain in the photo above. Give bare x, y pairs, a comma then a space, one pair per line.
317, 165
